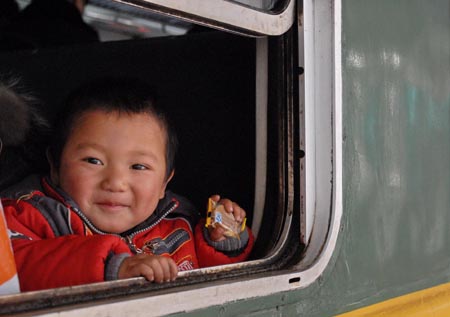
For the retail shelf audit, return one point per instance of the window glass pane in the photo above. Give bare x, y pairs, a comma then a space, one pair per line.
117, 21
126, 19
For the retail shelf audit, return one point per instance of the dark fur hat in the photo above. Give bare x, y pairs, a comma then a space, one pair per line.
14, 114
23, 133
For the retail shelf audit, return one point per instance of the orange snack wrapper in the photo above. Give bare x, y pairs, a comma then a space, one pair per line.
218, 216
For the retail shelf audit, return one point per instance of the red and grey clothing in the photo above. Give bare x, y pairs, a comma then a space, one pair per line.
55, 244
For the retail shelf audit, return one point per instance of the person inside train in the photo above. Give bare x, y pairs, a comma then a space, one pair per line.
48, 23
24, 132
104, 212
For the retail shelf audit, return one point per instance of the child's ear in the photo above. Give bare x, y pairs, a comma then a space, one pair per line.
170, 176
53, 171
163, 189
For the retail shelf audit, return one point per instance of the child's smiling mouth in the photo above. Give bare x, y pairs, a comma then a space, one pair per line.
112, 206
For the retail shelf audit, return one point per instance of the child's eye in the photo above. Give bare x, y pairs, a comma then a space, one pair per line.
139, 167
93, 160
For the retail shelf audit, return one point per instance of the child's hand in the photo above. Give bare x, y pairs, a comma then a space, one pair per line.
217, 234
153, 267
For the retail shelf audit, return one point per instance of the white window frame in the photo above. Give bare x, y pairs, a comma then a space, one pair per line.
222, 13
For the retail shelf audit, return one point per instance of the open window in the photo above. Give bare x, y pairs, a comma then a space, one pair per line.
257, 112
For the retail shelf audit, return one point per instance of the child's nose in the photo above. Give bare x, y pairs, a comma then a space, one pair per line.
114, 180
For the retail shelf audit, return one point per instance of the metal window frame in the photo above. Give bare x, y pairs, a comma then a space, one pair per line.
224, 15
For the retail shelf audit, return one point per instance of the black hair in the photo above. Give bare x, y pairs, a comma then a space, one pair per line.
122, 95
24, 132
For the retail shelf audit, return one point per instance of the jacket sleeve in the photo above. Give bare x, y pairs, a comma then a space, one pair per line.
46, 261
208, 255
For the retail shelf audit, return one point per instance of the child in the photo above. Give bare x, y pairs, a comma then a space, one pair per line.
104, 212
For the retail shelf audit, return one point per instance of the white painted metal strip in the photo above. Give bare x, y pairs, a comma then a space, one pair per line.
229, 13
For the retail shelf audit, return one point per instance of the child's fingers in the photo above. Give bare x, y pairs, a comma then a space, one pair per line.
232, 207
169, 269
238, 212
217, 234
164, 269
146, 271
228, 204
158, 270
216, 197
136, 266
152, 267
173, 270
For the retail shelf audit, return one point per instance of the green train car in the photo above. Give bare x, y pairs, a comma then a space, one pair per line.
336, 141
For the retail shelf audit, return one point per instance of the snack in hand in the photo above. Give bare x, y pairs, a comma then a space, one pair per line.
218, 216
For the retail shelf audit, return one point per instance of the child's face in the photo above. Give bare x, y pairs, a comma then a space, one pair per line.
114, 167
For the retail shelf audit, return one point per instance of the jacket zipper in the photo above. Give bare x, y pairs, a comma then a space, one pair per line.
128, 239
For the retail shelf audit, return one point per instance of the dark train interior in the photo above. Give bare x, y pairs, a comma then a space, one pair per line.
204, 78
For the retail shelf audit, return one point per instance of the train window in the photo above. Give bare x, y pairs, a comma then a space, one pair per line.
114, 21
227, 15
240, 79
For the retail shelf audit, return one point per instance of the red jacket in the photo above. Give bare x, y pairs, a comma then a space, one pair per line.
55, 245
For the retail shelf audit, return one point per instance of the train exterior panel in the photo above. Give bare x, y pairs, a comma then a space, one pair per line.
393, 247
